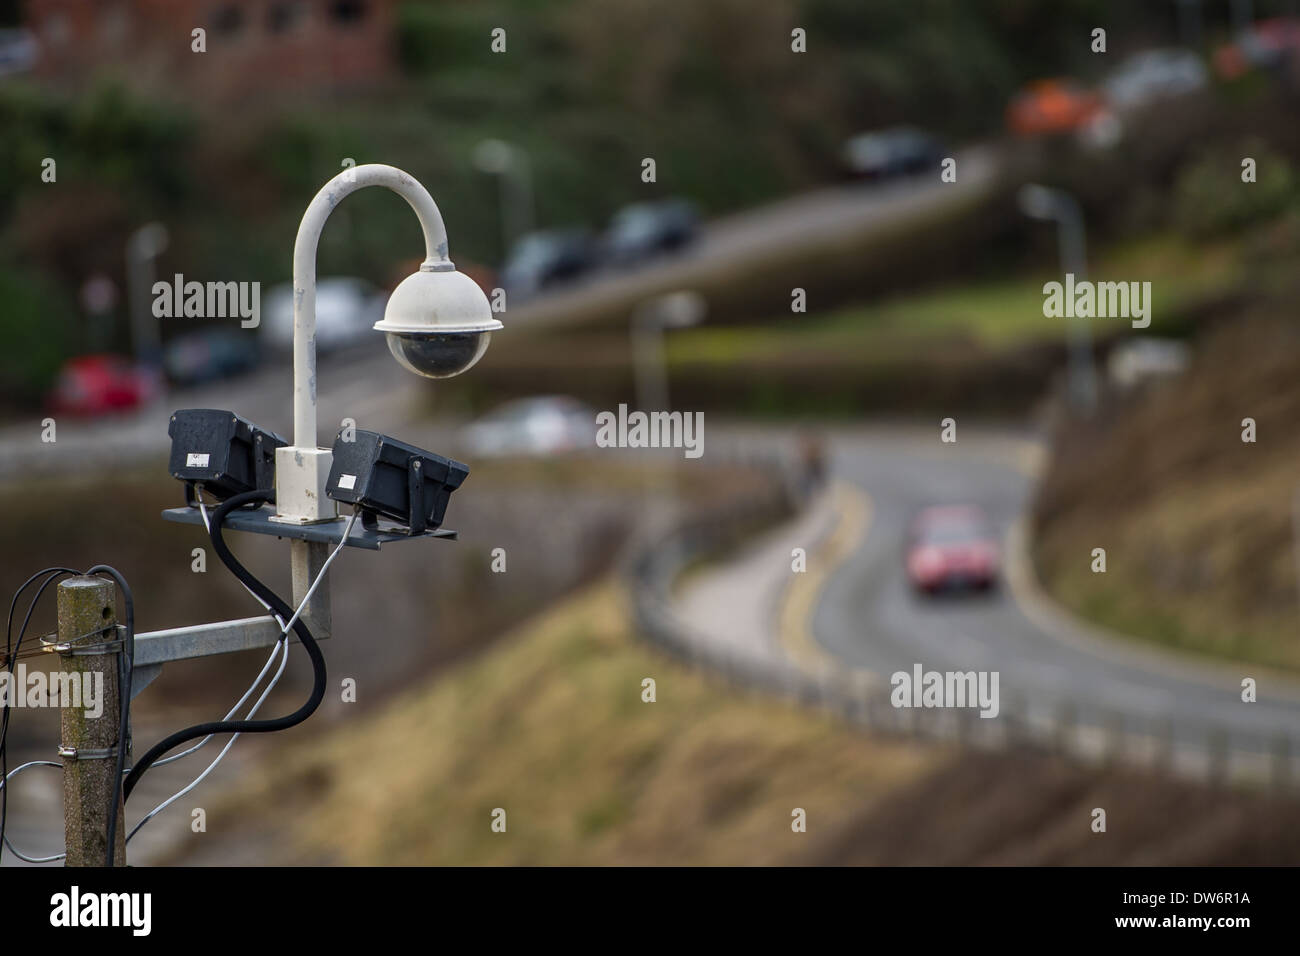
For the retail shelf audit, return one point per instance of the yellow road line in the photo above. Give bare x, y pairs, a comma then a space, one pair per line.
853, 508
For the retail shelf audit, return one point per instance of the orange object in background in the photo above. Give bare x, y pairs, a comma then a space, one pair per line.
1052, 106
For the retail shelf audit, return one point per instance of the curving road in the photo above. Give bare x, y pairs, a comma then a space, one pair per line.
854, 615
867, 617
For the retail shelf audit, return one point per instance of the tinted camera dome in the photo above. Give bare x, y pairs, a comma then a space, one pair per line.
438, 354
438, 323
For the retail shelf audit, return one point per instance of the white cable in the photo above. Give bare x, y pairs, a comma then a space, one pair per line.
238, 704
320, 575
281, 646
323, 568
283, 631
13, 849
283, 643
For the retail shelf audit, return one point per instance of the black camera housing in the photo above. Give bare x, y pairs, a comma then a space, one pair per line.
223, 452
383, 476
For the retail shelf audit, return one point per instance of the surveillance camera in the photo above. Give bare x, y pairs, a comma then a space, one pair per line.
225, 453
438, 323
380, 475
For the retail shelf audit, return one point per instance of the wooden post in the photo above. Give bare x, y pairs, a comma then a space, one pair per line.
87, 617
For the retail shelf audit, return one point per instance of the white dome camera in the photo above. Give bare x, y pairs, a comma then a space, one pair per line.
438, 323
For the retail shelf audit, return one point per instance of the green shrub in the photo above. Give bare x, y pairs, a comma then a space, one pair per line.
1211, 199
36, 323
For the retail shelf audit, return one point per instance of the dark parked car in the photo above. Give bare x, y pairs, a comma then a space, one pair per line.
899, 151
544, 259
210, 355
647, 229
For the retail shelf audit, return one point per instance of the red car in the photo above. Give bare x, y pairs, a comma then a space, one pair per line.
952, 547
1267, 44
102, 384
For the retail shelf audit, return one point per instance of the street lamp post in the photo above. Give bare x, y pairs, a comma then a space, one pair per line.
509, 163
1190, 23
143, 248
650, 321
438, 323
1055, 205
437, 291
1243, 14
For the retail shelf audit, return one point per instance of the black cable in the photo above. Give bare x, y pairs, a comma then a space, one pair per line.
277, 607
126, 672
11, 654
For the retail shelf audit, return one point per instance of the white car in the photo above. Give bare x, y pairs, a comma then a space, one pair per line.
546, 425
1144, 359
1154, 76
346, 311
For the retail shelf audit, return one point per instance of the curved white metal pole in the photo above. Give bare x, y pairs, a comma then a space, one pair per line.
304, 272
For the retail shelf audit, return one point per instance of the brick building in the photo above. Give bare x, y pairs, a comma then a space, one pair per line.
253, 46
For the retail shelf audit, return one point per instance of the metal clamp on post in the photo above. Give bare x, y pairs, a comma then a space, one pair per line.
73, 753
74, 649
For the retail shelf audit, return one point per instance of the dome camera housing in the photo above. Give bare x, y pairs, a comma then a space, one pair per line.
438, 323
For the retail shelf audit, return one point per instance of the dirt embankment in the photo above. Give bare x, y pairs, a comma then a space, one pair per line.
1197, 523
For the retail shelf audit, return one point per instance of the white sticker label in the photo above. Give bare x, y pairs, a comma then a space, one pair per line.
193, 460
347, 482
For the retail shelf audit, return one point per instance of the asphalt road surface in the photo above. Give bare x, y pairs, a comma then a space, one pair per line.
867, 616
764, 240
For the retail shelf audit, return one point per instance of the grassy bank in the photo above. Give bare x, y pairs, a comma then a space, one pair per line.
983, 346
550, 727
1196, 522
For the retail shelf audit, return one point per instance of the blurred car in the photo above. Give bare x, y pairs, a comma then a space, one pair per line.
899, 151
210, 355
1144, 359
1053, 107
346, 310
545, 425
1153, 76
19, 51
101, 385
891, 152
1266, 45
541, 260
646, 229
951, 547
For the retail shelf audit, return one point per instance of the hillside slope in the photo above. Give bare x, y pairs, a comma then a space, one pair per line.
1196, 523
550, 727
